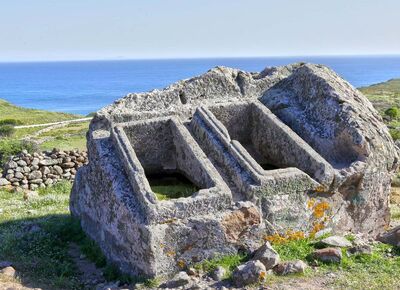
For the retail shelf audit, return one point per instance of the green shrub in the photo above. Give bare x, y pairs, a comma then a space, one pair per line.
10, 147
393, 112
11, 122
395, 134
7, 130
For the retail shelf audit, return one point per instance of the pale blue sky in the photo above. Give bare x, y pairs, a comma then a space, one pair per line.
100, 29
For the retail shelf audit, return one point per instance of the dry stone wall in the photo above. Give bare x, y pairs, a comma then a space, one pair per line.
31, 171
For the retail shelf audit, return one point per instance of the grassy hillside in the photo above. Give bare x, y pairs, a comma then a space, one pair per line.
383, 95
12, 140
386, 99
31, 116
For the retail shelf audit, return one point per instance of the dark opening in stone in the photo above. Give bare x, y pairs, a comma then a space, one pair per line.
245, 126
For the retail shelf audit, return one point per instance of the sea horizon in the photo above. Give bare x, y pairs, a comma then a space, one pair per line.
85, 86
199, 58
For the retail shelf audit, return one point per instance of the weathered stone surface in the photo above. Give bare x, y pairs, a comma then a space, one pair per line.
289, 147
249, 273
219, 273
236, 221
361, 249
328, 255
4, 182
267, 255
290, 267
336, 241
179, 280
8, 271
391, 237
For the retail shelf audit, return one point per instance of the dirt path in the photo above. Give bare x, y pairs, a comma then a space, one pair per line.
55, 123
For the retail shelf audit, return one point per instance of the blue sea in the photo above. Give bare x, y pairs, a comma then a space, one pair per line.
83, 87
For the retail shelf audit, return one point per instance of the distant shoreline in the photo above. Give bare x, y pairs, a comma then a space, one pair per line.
83, 87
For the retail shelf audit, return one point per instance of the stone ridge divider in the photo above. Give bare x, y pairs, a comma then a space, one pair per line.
41, 169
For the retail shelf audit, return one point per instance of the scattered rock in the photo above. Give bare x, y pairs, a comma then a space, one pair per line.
362, 249
267, 255
8, 271
4, 182
391, 237
219, 273
336, 241
291, 267
192, 271
249, 273
249, 246
179, 280
328, 255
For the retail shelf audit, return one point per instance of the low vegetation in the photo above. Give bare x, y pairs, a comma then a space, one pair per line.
23, 116
36, 235
66, 137
386, 99
9, 146
376, 271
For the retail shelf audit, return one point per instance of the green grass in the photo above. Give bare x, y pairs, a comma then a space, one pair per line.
386, 98
40, 255
35, 235
395, 212
31, 116
375, 271
383, 95
10, 146
65, 143
228, 262
71, 136
165, 192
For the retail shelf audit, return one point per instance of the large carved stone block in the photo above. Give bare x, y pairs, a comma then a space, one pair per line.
291, 148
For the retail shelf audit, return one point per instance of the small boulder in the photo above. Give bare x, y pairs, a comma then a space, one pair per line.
11, 165
68, 165
249, 273
8, 271
22, 163
391, 237
249, 246
179, 280
192, 271
267, 255
4, 182
35, 161
328, 255
19, 175
291, 267
361, 249
48, 162
219, 273
35, 175
336, 241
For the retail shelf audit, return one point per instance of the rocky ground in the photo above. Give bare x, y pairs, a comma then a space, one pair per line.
327, 262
